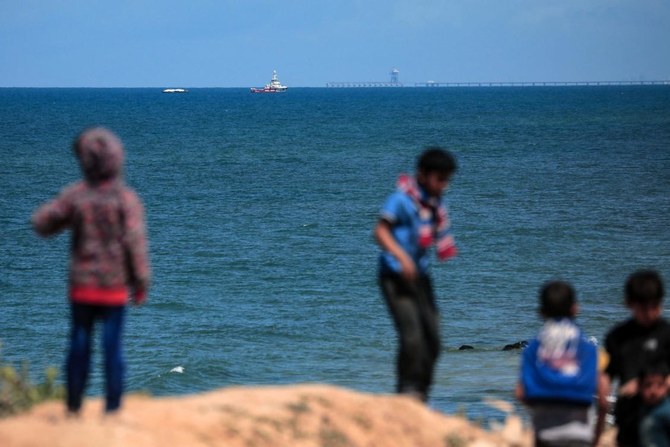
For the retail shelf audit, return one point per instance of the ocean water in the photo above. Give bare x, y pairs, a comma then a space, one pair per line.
260, 212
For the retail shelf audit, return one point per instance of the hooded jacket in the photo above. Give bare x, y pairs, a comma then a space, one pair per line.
560, 365
108, 248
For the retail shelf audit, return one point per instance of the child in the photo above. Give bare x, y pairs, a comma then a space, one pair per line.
655, 417
108, 258
634, 345
559, 375
412, 219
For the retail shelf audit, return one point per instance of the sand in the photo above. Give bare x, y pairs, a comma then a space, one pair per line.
297, 416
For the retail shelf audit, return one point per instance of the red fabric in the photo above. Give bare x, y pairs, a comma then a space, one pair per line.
94, 295
430, 232
450, 250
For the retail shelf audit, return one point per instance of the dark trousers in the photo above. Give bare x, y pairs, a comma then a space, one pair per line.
79, 357
539, 443
627, 419
416, 318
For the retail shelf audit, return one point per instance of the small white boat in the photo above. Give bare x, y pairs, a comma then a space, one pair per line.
175, 90
273, 87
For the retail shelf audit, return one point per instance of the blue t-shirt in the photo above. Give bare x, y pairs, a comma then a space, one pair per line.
404, 215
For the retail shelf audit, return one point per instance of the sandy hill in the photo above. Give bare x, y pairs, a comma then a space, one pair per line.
296, 416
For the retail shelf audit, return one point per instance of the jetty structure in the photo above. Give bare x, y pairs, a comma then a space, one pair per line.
536, 83
394, 82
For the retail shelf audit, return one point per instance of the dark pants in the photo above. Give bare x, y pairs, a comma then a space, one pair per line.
627, 419
539, 443
416, 318
79, 357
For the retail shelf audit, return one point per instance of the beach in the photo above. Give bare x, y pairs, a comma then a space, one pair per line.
307, 415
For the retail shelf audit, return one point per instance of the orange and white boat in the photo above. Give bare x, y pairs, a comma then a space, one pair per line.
273, 87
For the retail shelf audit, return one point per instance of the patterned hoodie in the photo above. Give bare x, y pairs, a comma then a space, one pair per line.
560, 364
109, 248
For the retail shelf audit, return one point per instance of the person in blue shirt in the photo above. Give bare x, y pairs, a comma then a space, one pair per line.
413, 219
560, 374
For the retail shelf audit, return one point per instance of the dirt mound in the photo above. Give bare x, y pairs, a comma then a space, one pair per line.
295, 416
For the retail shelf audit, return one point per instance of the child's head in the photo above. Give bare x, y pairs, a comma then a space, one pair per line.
644, 296
557, 300
434, 169
100, 154
653, 384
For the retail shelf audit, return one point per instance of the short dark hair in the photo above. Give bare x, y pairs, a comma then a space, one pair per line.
434, 159
656, 368
644, 287
557, 299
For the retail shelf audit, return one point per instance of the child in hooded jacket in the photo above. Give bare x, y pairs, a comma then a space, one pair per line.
108, 263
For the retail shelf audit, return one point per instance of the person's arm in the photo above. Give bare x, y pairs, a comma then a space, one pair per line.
602, 405
615, 367
387, 242
519, 392
53, 216
135, 242
629, 389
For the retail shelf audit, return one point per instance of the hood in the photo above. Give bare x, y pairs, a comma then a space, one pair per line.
100, 154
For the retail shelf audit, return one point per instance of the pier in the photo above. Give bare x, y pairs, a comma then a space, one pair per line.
433, 84
355, 84
536, 84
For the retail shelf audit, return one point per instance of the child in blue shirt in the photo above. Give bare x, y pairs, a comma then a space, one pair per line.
560, 375
412, 220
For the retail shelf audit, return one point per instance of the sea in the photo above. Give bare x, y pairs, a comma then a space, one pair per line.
260, 213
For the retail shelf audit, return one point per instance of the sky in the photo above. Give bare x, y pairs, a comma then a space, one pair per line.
237, 43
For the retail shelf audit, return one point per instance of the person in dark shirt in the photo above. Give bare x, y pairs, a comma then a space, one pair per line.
642, 340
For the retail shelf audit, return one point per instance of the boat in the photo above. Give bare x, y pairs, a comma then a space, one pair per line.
175, 90
273, 87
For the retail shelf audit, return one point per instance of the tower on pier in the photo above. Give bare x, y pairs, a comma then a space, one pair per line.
394, 76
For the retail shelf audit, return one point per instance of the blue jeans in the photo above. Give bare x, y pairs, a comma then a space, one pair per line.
79, 357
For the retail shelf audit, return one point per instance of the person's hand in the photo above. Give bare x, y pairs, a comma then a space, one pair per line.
629, 388
409, 271
139, 297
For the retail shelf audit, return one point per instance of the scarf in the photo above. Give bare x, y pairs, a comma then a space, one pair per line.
434, 220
